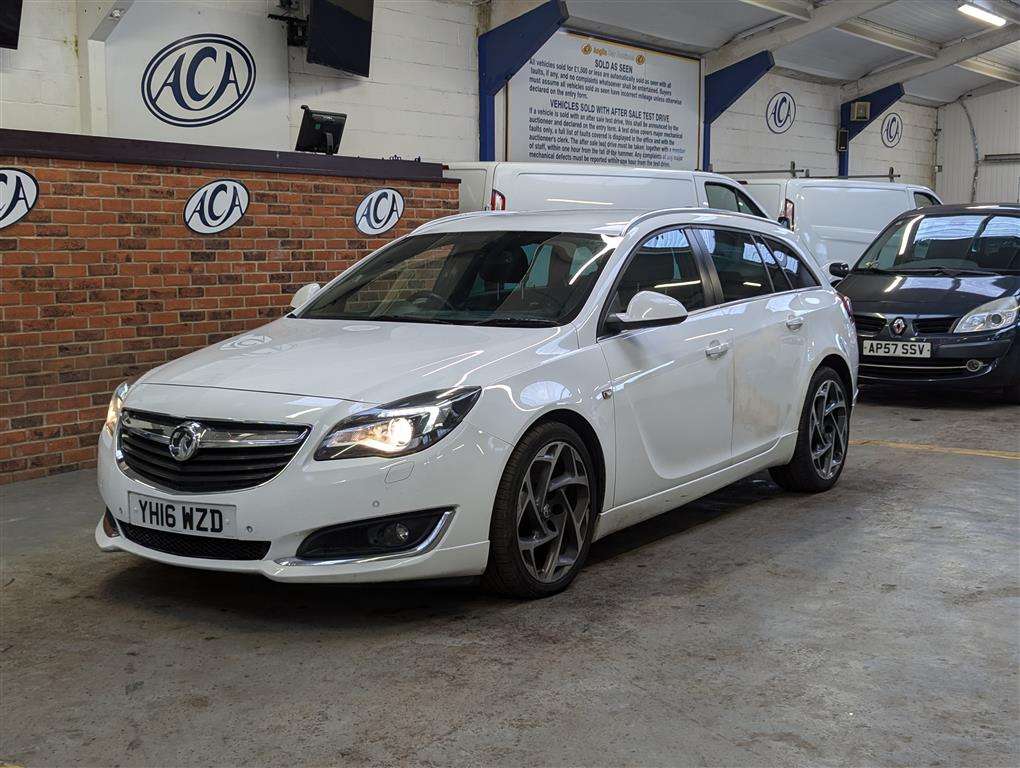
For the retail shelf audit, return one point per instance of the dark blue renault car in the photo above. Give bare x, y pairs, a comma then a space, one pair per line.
935, 300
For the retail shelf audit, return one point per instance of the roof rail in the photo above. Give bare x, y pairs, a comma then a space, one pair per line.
455, 217
692, 209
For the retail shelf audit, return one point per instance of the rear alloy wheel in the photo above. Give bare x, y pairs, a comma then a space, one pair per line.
822, 438
543, 515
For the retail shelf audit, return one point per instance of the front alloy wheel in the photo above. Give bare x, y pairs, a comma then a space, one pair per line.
543, 516
553, 512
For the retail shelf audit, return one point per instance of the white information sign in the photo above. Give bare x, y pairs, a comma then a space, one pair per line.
582, 99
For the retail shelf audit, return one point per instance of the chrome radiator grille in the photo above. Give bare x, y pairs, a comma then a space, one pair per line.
221, 455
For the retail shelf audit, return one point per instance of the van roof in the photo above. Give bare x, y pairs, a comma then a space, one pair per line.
613, 223
821, 181
581, 169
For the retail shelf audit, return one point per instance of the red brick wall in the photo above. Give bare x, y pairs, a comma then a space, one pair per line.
102, 280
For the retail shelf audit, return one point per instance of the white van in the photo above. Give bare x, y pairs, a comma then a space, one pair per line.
837, 218
498, 186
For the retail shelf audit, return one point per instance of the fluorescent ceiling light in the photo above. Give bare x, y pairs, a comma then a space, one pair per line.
981, 14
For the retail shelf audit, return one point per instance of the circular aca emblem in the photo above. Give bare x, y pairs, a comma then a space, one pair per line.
379, 212
892, 129
780, 112
198, 80
215, 207
18, 193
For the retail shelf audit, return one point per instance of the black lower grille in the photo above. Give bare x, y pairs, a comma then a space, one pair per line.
868, 325
185, 545
928, 325
917, 368
211, 469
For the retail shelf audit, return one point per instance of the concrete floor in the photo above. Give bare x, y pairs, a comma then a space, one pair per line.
878, 624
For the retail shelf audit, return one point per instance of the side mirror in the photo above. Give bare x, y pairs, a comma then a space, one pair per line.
839, 269
784, 221
646, 310
304, 293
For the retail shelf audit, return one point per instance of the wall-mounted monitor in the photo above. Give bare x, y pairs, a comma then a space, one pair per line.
340, 34
10, 23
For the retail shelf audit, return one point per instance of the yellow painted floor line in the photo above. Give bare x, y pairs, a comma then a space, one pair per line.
1012, 455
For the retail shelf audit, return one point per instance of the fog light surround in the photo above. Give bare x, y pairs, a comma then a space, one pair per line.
110, 524
974, 365
400, 535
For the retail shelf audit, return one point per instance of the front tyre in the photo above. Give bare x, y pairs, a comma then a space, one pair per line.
543, 516
822, 437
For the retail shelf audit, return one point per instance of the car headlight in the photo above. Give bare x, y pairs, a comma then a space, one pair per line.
398, 428
992, 316
115, 407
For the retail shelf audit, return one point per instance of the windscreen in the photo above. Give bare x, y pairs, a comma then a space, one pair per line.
471, 278
948, 243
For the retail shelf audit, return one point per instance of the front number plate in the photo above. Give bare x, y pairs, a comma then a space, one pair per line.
201, 518
897, 348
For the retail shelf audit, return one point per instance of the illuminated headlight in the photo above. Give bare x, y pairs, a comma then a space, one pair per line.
398, 428
115, 407
992, 316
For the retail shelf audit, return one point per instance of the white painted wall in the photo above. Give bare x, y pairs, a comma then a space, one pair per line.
742, 141
914, 156
422, 97
39, 80
996, 119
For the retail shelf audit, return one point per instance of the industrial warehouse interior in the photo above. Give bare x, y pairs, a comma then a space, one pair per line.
510, 383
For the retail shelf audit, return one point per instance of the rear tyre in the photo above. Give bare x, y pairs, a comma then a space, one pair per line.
822, 437
544, 514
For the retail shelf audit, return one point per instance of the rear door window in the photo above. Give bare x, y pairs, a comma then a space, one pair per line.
737, 262
780, 280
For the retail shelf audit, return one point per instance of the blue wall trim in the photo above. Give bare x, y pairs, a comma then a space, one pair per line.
880, 101
501, 53
724, 87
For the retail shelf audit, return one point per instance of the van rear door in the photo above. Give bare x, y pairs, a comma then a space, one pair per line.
838, 222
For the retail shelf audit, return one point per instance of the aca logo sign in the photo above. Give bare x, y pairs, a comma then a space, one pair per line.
892, 130
215, 207
780, 112
18, 193
198, 80
379, 212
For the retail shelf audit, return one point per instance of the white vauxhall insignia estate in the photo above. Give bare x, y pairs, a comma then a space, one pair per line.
487, 396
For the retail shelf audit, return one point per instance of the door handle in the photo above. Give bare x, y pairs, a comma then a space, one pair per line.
794, 323
717, 349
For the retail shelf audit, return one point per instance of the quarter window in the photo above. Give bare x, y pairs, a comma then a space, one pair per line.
923, 200
796, 272
727, 198
737, 262
664, 263
780, 280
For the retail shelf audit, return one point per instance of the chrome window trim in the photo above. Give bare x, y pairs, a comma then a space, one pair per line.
430, 543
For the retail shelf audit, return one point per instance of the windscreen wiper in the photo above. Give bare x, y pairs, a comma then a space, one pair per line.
872, 270
530, 322
950, 271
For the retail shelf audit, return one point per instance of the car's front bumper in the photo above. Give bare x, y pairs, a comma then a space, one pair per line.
998, 354
459, 473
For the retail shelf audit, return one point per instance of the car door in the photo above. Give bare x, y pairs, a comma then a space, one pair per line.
672, 385
769, 353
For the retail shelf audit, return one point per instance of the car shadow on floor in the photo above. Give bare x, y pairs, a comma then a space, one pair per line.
912, 398
221, 598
